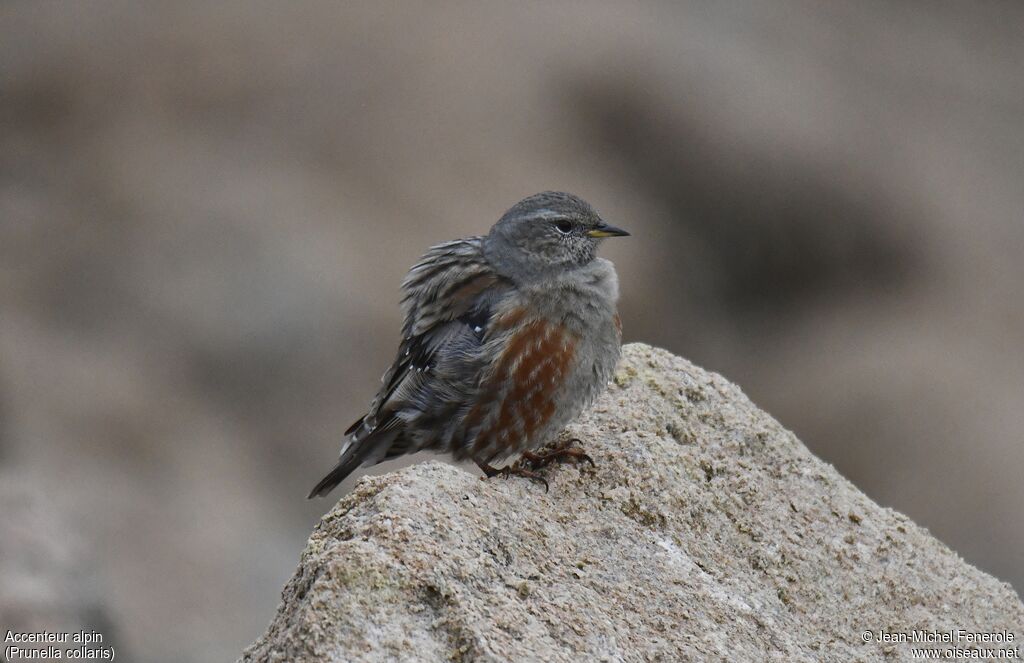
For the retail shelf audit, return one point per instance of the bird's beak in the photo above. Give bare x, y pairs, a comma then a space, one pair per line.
605, 230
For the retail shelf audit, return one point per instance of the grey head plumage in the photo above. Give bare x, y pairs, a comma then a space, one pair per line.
545, 234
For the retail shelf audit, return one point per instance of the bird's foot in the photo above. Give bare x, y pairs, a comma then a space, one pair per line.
515, 469
562, 452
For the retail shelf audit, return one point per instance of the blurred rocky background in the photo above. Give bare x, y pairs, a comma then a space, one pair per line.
206, 209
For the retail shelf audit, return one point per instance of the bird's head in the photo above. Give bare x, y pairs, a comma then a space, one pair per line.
546, 233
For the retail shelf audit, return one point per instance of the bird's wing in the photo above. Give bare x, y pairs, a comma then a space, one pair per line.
447, 301
451, 283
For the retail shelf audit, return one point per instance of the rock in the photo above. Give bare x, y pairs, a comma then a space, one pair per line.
707, 531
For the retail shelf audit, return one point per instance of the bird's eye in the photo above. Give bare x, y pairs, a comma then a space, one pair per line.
564, 227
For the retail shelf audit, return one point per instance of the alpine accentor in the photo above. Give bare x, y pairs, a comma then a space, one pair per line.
507, 337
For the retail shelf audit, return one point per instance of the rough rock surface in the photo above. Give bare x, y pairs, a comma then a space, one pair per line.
707, 531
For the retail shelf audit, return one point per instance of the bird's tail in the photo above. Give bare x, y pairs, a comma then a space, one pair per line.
365, 446
344, 468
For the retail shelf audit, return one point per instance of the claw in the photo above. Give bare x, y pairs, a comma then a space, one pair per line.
564, 451
511, 470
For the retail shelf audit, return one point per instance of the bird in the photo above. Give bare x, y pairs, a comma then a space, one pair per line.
506, 338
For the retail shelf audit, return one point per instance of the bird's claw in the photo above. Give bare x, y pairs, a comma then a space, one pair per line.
565, 451
516, 469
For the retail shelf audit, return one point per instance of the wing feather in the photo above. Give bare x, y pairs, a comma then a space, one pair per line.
447, 297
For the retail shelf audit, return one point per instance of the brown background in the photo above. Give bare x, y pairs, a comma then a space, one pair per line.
206, 209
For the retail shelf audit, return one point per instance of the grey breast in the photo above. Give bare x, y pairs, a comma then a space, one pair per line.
584, 300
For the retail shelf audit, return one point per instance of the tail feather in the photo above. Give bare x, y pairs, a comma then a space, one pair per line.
355, 425
369, 449
344, 468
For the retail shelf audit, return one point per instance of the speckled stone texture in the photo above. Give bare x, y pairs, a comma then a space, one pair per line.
707, 531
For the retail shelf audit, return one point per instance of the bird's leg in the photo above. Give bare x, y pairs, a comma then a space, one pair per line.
509, 470
561, 452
